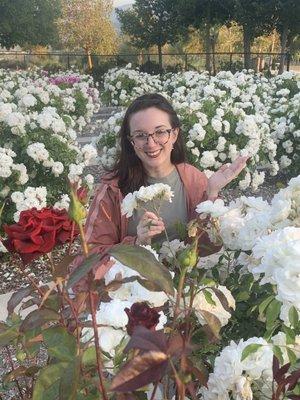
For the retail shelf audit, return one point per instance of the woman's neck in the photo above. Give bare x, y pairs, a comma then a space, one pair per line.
160, 172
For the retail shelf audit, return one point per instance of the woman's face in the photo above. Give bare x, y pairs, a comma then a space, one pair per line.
155, 156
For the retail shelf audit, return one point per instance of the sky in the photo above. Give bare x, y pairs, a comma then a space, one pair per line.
122, 2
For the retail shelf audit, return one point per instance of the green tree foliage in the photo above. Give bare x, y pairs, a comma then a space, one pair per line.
256, 17
287, 23
28, 22
204, 15
151, 23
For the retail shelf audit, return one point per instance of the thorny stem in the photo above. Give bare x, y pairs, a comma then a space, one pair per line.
38, 289
83, 241
72, 237
154, 391
180, 385
98, 351
103, 393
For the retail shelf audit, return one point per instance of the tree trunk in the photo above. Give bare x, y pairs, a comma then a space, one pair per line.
159, 47
207, 45
283, 43
213, 48
247, 47
89, 58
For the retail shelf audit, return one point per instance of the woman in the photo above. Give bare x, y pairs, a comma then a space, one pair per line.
152, 150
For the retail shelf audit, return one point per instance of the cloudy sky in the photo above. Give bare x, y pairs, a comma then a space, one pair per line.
122, 2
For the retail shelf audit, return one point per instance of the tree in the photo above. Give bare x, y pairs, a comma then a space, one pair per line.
28, 22
287, 23
151, 23
204, 15
85, 24
256, 18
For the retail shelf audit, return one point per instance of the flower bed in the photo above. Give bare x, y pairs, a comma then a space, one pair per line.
222, 116
40, 116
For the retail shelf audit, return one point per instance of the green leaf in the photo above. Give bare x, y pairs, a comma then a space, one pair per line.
60, 343
46, 378
250, 349
8, 336
242, 296
143, 261
292, 356
293, 316
278, 354
290, 335
69, 381
83, 269
272, 313
89, 356
264, 304
208, 297
38, 318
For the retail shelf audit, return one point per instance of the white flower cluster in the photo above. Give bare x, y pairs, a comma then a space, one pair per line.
117, 81
39, 117
7, 167
244, 380
112, 314
132, 201
272, 232
30, 198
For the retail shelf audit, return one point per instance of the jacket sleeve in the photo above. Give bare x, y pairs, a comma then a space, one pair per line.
206, 246
102, 231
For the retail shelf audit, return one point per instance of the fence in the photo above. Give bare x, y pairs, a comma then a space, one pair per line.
147, 62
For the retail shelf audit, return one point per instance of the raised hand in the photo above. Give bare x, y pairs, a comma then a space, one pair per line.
225, 174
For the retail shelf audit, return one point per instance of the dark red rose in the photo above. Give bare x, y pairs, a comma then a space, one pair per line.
141, 314
38, 232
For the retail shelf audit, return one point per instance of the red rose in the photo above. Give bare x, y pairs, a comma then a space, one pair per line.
38, 232
141, 314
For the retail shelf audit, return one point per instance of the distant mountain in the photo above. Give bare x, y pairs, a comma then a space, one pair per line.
114, 17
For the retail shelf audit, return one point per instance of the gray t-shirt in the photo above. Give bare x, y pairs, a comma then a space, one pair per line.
171, 213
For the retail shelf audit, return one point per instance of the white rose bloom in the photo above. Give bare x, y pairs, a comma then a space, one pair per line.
57, 168
214, 208
110, 338
216, 125
200, 304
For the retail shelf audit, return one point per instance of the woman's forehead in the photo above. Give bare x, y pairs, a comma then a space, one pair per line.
150, 118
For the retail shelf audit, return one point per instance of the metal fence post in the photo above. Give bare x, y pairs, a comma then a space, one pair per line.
186, 62
288, 61
68, 60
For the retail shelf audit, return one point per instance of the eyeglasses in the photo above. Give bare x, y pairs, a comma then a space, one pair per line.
160, 136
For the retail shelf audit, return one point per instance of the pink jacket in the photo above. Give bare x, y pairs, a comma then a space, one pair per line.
105, 226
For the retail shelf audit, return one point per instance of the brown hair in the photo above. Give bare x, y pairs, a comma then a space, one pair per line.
128, 167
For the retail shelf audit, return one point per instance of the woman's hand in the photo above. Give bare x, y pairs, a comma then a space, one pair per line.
225, 174
150, 225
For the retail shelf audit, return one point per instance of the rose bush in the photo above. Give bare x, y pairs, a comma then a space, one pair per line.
39, 118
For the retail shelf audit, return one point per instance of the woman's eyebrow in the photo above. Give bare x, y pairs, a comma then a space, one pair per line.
144, 130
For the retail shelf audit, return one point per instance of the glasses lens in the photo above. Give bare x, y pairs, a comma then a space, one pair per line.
160, 136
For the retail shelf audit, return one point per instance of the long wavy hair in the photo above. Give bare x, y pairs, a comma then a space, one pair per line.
128, 167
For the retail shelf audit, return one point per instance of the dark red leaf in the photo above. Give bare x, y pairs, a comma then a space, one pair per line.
293, 379
279, 376
275, 367
144, 339
140, 371
192, 390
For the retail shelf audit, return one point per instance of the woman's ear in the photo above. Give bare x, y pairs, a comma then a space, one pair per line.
175, 134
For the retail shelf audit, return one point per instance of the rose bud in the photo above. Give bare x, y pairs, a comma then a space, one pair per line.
77, 212
83, 195
140, 314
